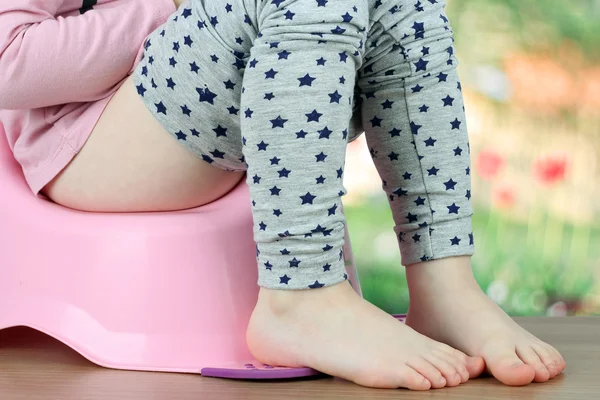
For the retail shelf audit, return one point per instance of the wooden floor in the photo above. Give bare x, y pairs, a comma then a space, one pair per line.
34, 366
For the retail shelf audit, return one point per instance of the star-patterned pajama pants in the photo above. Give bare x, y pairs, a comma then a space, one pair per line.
277, 88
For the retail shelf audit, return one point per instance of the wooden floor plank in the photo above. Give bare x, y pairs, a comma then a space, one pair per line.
34, 366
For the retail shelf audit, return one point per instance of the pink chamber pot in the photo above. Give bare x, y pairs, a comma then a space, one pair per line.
163, 291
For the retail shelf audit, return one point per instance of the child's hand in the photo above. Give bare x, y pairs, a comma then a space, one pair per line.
178, 2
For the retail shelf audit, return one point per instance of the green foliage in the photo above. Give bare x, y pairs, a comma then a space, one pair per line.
532, 21
538, 263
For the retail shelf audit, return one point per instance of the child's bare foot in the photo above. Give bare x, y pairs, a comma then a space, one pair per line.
447, 304
333, 330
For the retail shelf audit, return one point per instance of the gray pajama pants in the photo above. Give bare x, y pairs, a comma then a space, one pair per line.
278, 88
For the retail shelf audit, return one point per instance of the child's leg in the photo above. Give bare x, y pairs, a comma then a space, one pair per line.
296, 107
129, 164
412, 111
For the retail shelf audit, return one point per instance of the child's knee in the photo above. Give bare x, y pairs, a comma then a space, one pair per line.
408, 40
319, 22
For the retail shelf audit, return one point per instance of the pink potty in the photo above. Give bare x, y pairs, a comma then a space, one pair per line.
165, 291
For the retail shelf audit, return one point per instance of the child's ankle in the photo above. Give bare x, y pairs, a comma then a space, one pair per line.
281, 302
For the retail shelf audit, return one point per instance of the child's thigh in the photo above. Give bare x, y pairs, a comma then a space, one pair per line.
130, 163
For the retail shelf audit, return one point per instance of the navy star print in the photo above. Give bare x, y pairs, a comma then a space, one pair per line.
431, 124
247, 95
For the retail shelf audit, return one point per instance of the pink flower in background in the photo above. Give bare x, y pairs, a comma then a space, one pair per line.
550, 170
558, 309
504, 197
489, 164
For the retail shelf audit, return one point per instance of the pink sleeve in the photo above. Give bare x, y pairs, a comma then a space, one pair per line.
47, 60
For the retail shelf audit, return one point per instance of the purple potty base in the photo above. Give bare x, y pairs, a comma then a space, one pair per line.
256, 370
400, 317
252, 369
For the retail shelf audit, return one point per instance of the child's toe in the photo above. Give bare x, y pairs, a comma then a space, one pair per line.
548, 359
429, 371
531, 358
446, 368
508, 368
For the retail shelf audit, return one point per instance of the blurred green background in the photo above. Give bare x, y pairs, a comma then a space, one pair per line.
530, 70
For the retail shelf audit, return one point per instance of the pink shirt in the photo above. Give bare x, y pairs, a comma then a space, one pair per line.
59, 67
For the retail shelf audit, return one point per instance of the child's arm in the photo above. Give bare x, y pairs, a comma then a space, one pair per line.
47, 60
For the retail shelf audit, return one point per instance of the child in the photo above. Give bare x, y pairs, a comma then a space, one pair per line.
273, 90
